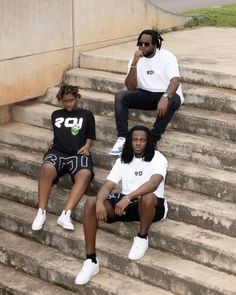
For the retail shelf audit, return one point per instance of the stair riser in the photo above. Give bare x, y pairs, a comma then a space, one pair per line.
177, 212
71, 245
202, 219
49, 273
211, 103
94, 83
189, 75
181, 120
204, 100
212, 187
196, 152
203, 77
203, 126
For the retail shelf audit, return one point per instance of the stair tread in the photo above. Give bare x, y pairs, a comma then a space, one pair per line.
221, 243
61, 264
197, 202
154, 259
21, 283
178, 135
175, 166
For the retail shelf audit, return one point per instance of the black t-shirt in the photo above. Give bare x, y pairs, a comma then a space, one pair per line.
71, 129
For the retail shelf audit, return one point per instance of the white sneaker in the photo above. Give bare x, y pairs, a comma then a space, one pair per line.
88, 270
39, 219
138, 249
64, 220
117, 147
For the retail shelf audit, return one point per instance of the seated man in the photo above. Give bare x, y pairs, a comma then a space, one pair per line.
69, 152
142, 171
153, 83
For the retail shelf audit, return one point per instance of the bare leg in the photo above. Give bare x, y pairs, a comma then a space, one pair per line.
82, 179
90, 224
147, 210
47, 174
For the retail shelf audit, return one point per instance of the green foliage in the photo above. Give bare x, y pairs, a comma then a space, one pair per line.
224, 16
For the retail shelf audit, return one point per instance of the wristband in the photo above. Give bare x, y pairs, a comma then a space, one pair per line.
126, 198
133, 67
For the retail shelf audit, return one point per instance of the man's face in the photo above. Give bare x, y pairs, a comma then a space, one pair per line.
145, 44
139, 143
69, 102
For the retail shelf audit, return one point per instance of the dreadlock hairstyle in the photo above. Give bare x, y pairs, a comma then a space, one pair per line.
156, 37
128, 153
68, 89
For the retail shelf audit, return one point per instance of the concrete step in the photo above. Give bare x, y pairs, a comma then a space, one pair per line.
186, 206
199, 96
196, 121
13, 282
183, 174
205, 150
188, 241
115, 59
51, 265
194, 117
156, 269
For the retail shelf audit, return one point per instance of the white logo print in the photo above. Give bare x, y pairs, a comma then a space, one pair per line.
69, 122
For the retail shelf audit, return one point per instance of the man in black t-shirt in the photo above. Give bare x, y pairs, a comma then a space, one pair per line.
69, 152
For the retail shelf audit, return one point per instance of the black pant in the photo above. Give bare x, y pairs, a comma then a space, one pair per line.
143, 100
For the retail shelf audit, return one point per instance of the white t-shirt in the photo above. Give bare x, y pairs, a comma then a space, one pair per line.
136, 173
154, 74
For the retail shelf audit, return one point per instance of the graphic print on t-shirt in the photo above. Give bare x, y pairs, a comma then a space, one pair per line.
74, 123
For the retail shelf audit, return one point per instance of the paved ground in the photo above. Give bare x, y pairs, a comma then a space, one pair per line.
183, 5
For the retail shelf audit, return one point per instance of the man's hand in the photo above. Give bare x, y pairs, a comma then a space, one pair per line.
162, 106
137, 55
120, 207
101, 211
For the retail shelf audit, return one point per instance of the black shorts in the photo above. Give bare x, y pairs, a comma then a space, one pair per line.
131, 210
65, 163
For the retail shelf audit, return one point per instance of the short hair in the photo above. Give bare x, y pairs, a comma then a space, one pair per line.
68, 89
128, 153
156, 37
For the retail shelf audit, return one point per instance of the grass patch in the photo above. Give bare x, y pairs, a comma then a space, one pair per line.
223, 16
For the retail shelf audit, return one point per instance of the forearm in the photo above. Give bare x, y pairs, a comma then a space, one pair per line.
148, 187
105, 190
173, 86
131, 79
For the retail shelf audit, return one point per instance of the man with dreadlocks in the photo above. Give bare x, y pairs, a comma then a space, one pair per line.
153, 83
141, 170
69, 152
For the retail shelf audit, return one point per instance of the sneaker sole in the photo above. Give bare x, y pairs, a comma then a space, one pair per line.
114, 154
64, 226
86, 281
36, 228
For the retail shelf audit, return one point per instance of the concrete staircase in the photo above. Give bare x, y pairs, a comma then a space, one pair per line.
191, 252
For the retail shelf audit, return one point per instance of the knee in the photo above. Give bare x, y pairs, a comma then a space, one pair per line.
119, 97
148, 200
90, 206
47, 172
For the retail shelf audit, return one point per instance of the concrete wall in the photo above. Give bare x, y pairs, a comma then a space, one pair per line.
40, 39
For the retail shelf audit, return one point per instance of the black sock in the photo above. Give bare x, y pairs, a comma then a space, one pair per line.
92, 257
142, 236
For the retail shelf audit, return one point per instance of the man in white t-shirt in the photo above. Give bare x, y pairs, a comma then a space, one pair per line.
153, 83
141, 170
